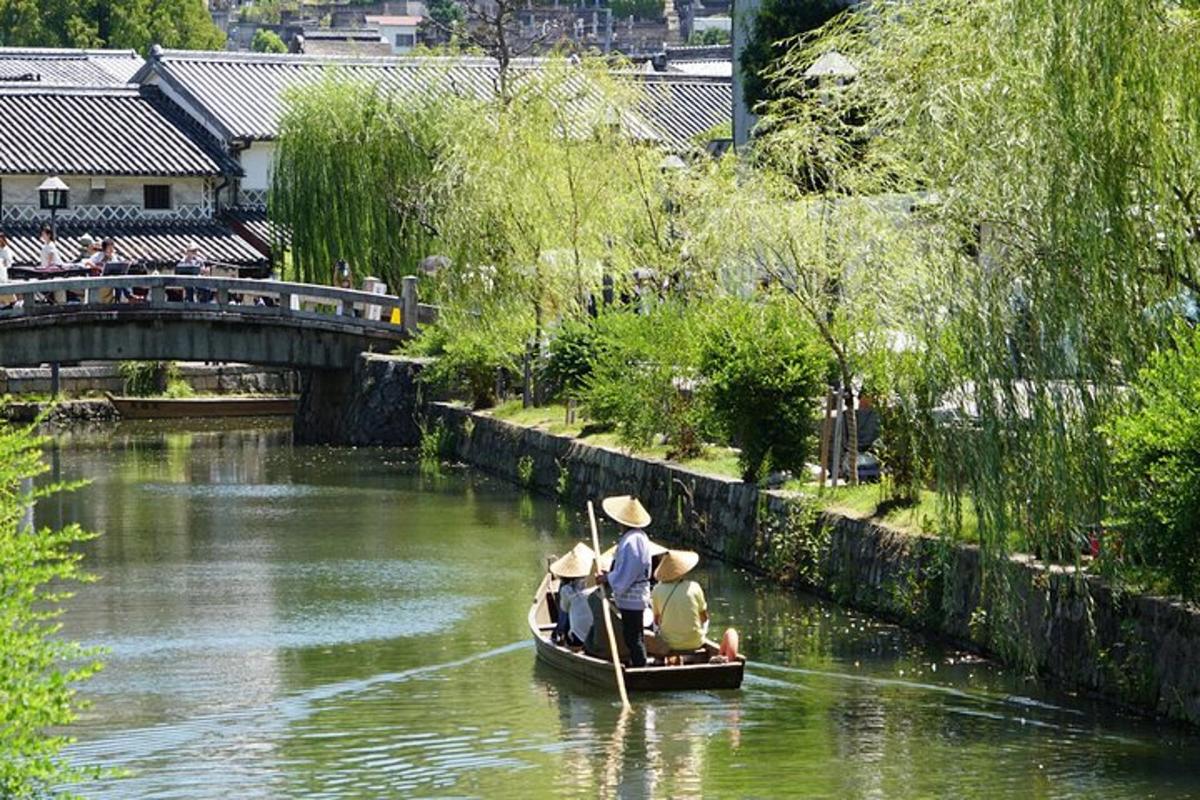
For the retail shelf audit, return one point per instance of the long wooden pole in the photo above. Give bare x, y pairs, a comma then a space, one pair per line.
612, 639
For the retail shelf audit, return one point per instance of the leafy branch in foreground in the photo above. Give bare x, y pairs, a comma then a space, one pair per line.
38, 670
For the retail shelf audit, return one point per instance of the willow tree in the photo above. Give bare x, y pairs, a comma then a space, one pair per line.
358, 176
1060, 154
853, 266
554, 189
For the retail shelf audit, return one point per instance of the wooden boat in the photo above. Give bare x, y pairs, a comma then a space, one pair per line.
695, 673
173, 408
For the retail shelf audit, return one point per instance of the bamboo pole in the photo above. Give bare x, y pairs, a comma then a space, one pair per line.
612, 639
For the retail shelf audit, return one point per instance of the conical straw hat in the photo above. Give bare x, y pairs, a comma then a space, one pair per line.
626, 510
575, 564
606, 558
676, 564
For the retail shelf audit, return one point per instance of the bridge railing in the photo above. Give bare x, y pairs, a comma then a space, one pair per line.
224, 295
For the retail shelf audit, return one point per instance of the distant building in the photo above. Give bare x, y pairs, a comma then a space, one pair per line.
340, 42
398, 32
239, 98
65, 67
139, 171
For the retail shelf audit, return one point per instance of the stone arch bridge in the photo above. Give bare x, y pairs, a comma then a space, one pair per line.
319, 331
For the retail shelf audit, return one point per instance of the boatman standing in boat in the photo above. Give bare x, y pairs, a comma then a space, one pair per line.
630, 575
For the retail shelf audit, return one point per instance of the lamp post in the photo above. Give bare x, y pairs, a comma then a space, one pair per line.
52, 195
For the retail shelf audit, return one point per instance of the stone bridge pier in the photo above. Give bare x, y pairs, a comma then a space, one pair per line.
375, 403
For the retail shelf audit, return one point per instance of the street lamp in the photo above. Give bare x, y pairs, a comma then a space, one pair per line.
53, 196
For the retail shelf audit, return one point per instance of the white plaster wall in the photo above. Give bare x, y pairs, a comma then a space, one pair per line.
257, 161
19, 192
388, 34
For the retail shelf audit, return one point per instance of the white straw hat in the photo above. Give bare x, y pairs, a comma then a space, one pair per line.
676, 564
626, 510
575, 564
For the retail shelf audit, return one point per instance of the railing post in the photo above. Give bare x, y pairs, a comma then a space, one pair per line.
158, 294
285, 302
28, 298
408, 300
223, 296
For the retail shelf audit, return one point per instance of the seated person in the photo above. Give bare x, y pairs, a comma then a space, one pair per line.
680, 610
596, 643
572, 571
193, 263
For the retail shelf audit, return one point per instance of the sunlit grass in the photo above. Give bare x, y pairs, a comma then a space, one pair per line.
716, 460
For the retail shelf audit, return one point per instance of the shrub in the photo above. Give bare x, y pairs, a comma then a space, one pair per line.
267, 41
569, 359
470, 350
642, 377
1156, 455
762, 371
149, 378
710, 37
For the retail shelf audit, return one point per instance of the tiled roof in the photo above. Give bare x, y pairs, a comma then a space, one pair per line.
682, 108
161, 244
92, 131
67, 67
254, 226
394, 21
707, 69
244, 93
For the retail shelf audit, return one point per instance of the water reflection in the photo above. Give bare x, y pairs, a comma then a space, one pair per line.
338, 623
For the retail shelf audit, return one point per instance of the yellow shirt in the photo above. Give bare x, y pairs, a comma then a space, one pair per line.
678, 605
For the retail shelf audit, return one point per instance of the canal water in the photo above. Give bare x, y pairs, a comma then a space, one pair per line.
328, 623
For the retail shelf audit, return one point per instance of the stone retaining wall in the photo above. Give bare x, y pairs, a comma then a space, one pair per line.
1140, 652
206, 378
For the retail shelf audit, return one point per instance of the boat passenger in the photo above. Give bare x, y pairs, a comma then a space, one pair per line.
630, 576
574, 616
680, 610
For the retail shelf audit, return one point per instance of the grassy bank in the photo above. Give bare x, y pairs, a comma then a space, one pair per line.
866, 501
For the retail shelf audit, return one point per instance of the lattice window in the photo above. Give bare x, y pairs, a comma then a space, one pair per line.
252, 198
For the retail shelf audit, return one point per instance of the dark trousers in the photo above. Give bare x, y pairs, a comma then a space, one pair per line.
631, 630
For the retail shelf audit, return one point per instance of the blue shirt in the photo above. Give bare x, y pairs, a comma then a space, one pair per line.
630, 576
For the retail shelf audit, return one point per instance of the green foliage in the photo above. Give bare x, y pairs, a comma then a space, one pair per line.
642, 376
177, 388
445, 17
267, 41
770, 31
563, 484
640, 9
793, 541
569, 359
1156, 453
1058, 169
436, 444
38, 669
709, 37
525, 471
117, 24
355, 179
150, 378
471, 349
763, 371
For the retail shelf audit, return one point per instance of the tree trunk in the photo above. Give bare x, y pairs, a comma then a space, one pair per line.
851, 411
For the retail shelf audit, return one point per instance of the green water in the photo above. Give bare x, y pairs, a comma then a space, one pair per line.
296, 622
